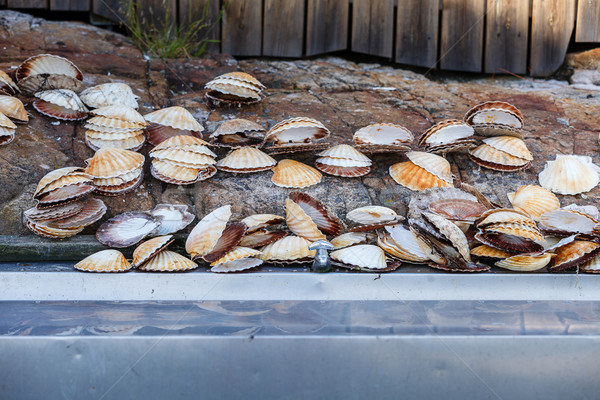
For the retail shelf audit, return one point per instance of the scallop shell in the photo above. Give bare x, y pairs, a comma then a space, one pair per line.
288, 249
498, 130
383, 134
495, 113
326, 221
237, 265
238, 132
59, 212
485, 251
7, 85
300, 223
433, 164
64, 195
362, 256
351, 238
13, 108
262, 238
172, 217
55, 175
242, 77
591, 267
118, 190
37, 83
232, 235
133, 143
70, 178
489, 157
414, 177
509, 243
533, 200
183, 158
519, 230
109, 94
185, 142
92, 211
175, 117
446, 132
259, 221
102, 134
7, 135
372, 215
150, 248
525, 263
246, 160
236, 254
458, 209
64, 98
42, 229
168, 261
297, 130
504, 215
126, 229
345, 172
568, 221
344, 151
205, 235
111, 163
112, 125
104, 261
451, 233
231, 91
514, 146
169, 172
294, 174
5, 122
405, 244
120, 112
573, 254
570, 174
47, 64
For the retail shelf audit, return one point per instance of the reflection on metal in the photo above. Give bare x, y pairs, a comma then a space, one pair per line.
321, 262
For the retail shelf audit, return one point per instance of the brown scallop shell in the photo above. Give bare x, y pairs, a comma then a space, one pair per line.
434, 164
118, 190
297, 130
67, 180
300, 223
103, 135
514, 146
243, 77
509, 243
238, 132
345, 172
573, 254
232, 235
5, 122
47, 64
446, 132
326, 221
414, 177
150, 248
183, 158
458, 209
55, 175
288, 148
237, 253
58, 112
262, 238
7, 85
111, 163
485, 251
157, 134
504, 215
64, 195
520, 230
42, 229
498, 130
259, 221
126, 229
205, 235
173, 217
491, 158
118, 112
59, 212
39, 83
92, 211
104, 261
294, 174
383, 135
186, 142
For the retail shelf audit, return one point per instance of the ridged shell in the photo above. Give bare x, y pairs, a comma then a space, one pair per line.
237, 265
42, 229
365, 256
446, 132
383, 134
495, 113
64, 194
108, 94
176, 172
574, 254
350, 239
58, 112
172, 217
92, 211
115, 135
13, 108
104, 261
48, 64
64, 98
288, 249
7, 85
568, 221
232, 236
36, 83
205, 235
236, 254
239, 87
300, 223
61, 177
591, 267
168, 261
570, 174
5, 122
149, 249
509, 243
326, 221
414, 177
186, 142
341, 162
408, 246
246, 160
489, 157
294, 174
258, 221
111, 163
183, 158
504, 215
175, 117
451, 233
297, 130
126, 229
485, 251
432, 163
519, 230
344, 151
344, 172
525, 263
533, 200
132, 143
457, 209
120, 112
61, 211
514, 146
118, 190
242, 77
372, 215
261, 238
231, 91
238, 132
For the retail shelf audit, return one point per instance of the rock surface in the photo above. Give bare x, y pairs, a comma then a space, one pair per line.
345, 96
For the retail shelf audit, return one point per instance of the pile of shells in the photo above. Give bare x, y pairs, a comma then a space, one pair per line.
570, 174
116, 171
62, 209
172, 121
383, 138
7, 130
296, 135
152, 256
182, 160
115, 126
502, 153
246, 160
447, 136
294, 174
343, 160
47, 72
422, 171
238, 133
495, 118
7, 86
13, 108
129, 228
234, 88
61, 104
109, 94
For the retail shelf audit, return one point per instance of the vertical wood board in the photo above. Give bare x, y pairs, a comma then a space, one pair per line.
27, 3
70, 5
462, 35
157, 13
588, 21
241, 28
506, 38
326, 26
373, 27
551, 27
283, 28
193, 10
109, 9
417, 32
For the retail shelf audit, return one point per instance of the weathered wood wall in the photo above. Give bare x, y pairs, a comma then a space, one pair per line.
492, 36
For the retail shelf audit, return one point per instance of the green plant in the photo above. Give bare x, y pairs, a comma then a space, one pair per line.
155, 33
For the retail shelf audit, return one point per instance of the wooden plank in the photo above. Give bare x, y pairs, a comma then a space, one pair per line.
326, 26
283, 28
193, 10
70, 5
551, 27
506, 37
109, 9
373, 27
241, 29
27, 3
462, 35
417, 32
156, 13
588, 21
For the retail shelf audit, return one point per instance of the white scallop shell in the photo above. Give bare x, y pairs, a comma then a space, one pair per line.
300, 223
372, 215
64, 98
206, 233
570, 174
351, 238
287, 249
108, 94
168, 261
383, 134
533, 200
104, 261
432, 163
175, 117
362, 256
246, 160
